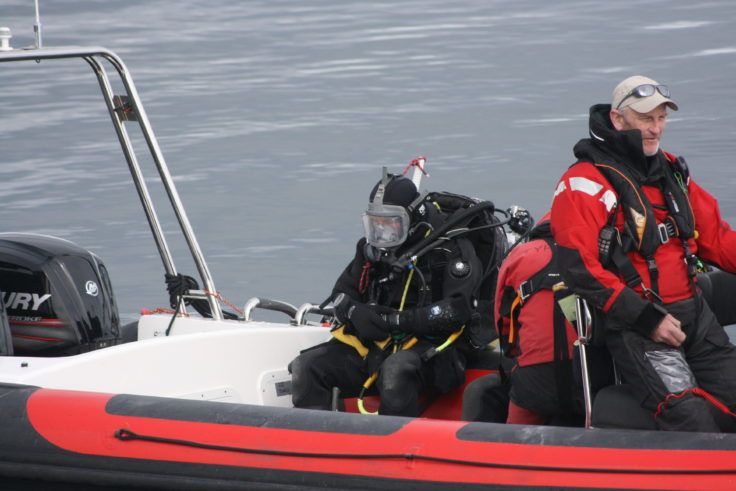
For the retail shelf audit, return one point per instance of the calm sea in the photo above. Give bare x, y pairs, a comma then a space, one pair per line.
275, 117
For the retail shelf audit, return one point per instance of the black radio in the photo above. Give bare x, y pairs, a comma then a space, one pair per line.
605, 243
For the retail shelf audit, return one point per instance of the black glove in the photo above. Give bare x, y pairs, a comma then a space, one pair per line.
441, 317
365, 319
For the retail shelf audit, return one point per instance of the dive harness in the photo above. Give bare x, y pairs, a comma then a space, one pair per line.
646, 238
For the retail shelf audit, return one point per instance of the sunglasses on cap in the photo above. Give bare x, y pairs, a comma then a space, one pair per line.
645, 90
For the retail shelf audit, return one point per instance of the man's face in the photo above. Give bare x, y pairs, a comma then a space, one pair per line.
650, 124
387, 229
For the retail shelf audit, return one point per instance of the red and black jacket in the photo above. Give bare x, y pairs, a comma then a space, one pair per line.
529, 321
614, 183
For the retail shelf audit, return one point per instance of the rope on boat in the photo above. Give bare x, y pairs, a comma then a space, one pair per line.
161, 310
128, 435
221, 299
217, 295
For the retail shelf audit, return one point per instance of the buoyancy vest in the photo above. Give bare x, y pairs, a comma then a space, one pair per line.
642, 233
513, 301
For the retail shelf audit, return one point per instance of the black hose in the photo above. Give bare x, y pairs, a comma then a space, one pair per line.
436, 237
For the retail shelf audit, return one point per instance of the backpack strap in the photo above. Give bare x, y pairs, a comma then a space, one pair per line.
562, 371
514, 299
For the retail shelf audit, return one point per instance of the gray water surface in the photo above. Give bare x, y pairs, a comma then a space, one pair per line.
275, 117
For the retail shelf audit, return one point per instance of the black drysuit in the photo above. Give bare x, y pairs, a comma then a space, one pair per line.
439, 300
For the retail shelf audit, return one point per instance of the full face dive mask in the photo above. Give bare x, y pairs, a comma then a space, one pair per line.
387, 225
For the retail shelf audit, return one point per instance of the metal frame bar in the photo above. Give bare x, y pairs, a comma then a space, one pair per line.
583, 325
91, 56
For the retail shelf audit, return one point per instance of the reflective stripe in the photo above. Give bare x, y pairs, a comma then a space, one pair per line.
585, 185
608, 199
560, 187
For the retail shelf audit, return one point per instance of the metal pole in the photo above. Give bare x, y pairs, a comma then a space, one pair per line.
583, 321
419, 171
89, 55
37, 28
168, 184
134, 166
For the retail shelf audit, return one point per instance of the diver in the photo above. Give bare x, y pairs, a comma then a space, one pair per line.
406, 306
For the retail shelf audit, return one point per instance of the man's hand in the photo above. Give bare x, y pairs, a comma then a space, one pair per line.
669, 332
365, 319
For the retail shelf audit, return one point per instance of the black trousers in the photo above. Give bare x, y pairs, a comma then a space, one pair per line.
402, 376
486, 399
706, 360
549, 389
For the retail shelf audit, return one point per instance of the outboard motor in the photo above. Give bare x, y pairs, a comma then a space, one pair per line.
6, 340
57, 296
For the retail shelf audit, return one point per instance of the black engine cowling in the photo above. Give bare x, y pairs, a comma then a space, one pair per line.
57, 296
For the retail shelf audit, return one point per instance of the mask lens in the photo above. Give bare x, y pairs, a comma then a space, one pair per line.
386, 229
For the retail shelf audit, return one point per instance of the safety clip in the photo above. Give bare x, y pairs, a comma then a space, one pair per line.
525, 290
651, 294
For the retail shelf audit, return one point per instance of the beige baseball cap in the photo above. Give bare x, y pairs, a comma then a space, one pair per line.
626, 95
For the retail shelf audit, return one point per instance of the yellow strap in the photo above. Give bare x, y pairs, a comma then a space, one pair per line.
512, 327
352, 340
382, 344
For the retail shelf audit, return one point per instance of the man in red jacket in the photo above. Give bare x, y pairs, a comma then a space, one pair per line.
629, 222
534, 331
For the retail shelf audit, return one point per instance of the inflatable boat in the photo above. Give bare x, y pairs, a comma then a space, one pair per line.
177, 401
87, 438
